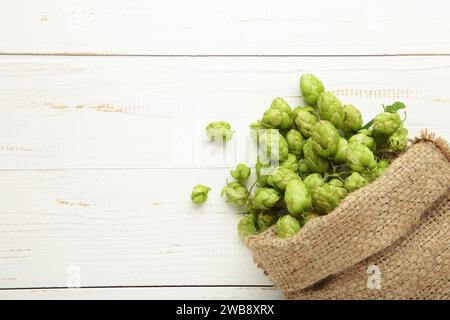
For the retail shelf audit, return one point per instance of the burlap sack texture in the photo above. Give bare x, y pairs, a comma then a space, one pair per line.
388, 240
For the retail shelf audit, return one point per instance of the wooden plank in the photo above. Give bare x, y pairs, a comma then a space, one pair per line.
119, 228
199, 27
148, 112
233, 293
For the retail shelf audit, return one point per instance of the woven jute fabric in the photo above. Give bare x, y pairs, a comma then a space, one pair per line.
388, 240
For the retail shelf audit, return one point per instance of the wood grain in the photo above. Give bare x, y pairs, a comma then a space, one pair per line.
214, 27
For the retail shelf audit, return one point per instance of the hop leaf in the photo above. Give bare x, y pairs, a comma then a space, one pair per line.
199, 194
287, 226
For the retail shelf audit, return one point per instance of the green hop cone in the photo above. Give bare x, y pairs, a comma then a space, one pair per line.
381, 167
355, 181
312, 181
287, 226
219, 131
199, 194
360, 158
281, 176
313, 161
255, 127
366, 140
325, 198
266, 219
339, 187
279, 115
265, 198
352, 119
241, 173
297, 197
325, 139
235, 192
273, 145
341, 153
330, 108
305, 120
302, 167
311, 88
398, 141
291, 163
247, 226
295, 142
386, 123
309, 216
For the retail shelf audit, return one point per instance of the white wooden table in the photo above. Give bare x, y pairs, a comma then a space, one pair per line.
102, 110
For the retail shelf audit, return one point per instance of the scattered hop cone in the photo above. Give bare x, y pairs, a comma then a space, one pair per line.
325, 139
236, 193
279, 115
398, 141
273, 145
312, 181
266, 219
247, 226
199, 194
360, 158
305, 120
297, 197
325, 198
386, 123
311, 88
219, 131
352, 119
291, 163
366, 140
241, 173
287, 226
280, 177
314, 162
341, 153
355, 181
330, 108
295, 142
265, 198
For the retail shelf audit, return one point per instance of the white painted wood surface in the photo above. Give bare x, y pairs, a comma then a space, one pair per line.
98, 154
160, 293
202, 27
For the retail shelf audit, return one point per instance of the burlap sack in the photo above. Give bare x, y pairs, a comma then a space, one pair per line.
388, 240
